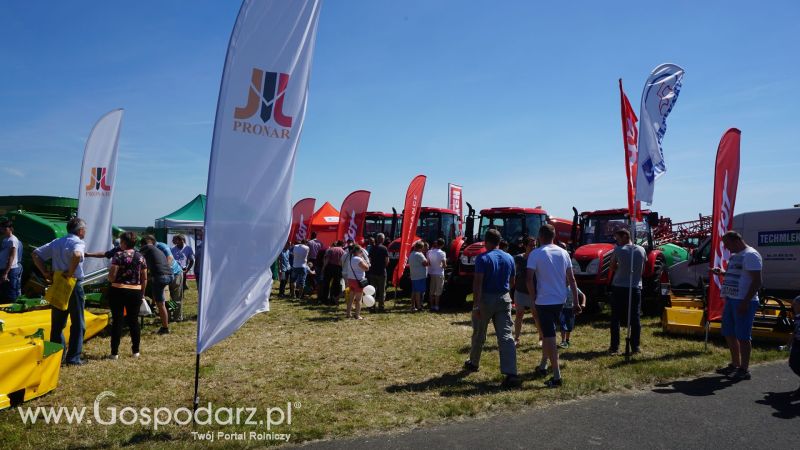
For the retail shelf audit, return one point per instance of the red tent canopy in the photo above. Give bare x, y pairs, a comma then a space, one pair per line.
325, 222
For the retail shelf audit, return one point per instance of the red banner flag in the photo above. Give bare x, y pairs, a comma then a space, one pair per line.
630, 136
301, 219
352, 215
410, 218
726, 180
454, 198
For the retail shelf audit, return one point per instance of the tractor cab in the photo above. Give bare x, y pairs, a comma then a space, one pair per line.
591, 261
435, 223
381, 222
513, 223
598, 227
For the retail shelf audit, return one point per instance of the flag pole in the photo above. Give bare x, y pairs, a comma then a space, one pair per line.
630, 286
707, 324
196, 384
633, 215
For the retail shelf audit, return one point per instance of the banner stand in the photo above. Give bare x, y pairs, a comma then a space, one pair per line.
196, 397
630, 290
255, 137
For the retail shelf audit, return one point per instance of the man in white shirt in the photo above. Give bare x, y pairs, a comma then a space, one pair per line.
437, 261
10, 269
299, 268
552, 267
740, 290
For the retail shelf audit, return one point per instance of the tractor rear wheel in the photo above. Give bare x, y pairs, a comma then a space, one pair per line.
652, 300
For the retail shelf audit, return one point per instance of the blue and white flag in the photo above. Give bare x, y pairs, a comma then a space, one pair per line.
659, 97
260, 112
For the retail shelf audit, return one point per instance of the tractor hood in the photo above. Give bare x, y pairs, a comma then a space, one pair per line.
592, 251
394, 247
474, 249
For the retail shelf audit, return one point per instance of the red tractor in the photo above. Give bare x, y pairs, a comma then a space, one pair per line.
594, 242
376, 222
434, 223
513, 223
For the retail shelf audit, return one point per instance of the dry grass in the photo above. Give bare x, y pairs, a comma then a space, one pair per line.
390, 371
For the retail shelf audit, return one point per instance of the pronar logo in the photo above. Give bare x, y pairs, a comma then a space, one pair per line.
97, 182
265, 102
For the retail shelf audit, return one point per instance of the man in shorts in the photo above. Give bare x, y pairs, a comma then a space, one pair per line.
740, 290
437, 261
161, 275
418, 269
551, 266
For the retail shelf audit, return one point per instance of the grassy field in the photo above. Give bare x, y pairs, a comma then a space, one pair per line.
343, 377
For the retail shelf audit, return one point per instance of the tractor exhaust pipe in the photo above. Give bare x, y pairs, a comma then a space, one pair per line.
573, 235
470, 226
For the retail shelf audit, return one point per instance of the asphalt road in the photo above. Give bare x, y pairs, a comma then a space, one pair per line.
706, 412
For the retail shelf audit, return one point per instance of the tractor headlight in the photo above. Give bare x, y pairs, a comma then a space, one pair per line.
466, 260
593, 266
575, 266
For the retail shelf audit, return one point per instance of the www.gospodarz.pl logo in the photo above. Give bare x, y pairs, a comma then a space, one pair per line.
265, 102
97, 182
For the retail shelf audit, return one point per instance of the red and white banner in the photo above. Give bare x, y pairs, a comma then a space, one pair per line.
260, 114
454, 198
96, 187
630, 137
413, 205
726, 180
301, 219
352, 215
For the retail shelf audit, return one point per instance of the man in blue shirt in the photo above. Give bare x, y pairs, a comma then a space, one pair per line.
494, 275
184, 255
66, 256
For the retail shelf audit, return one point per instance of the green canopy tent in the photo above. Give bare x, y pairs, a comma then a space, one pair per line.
187, 220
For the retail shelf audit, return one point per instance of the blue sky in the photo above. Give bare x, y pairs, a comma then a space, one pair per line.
516, 101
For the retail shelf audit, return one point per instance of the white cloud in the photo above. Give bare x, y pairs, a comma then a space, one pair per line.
15, 172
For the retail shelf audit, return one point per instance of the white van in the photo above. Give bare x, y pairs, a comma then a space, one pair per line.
774, 234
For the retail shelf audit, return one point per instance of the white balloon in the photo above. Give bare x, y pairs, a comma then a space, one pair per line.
369, 290
368, 301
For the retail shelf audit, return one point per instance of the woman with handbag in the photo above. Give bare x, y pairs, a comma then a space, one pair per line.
128, 277
355, 273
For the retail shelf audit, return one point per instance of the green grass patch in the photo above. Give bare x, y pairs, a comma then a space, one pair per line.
343, 377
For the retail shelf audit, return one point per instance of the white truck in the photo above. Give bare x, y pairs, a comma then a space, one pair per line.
774, 234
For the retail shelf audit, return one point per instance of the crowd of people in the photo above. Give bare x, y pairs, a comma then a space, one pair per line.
540, 280
345, 268
134, 272
549, 290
